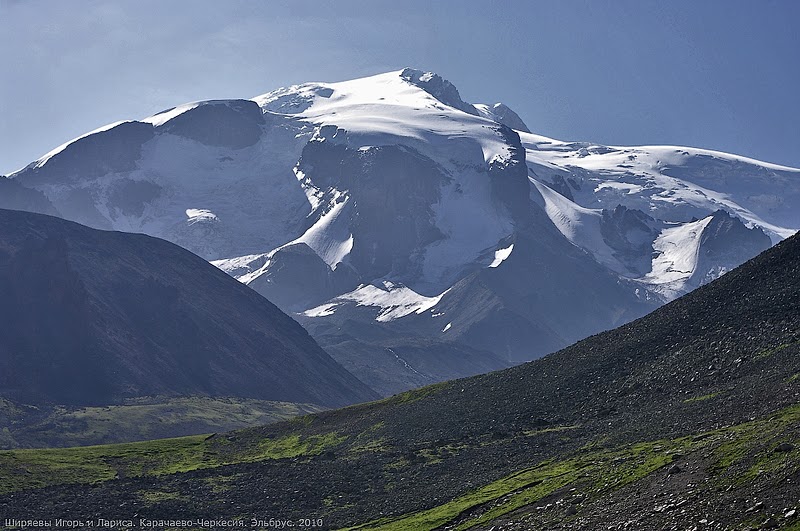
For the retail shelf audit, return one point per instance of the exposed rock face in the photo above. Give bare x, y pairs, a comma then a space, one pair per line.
233, 124
630, 233
725, 244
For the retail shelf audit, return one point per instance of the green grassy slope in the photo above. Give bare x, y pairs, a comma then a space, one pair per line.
141, 419
582, 489
576, 492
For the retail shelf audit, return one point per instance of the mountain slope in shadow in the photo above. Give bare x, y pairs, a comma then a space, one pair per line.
92, 318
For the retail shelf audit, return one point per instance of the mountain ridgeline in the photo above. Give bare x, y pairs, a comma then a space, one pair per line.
419, 237
688, 415
93, 318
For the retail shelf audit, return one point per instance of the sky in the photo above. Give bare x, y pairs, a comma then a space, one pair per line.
718, 74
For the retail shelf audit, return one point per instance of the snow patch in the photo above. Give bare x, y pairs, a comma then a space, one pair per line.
627, 188
500, 256
394, 300
199, 215
241, 265
322, 311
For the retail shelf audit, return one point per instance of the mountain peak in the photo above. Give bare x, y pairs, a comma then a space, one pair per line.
439, 88
502, 113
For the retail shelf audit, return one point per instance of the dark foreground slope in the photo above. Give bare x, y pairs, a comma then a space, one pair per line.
687, 417
92, 317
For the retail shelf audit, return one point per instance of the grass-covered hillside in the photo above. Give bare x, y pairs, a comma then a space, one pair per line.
26, 426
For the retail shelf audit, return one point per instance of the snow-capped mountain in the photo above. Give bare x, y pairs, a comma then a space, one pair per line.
419, 237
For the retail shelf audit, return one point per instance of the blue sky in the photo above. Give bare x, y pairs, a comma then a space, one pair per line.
716, 74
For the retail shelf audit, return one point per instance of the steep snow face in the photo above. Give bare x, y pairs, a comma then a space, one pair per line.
677, 252
167, 115
579, 225
330, 237
691, 254
470, 222
242, 265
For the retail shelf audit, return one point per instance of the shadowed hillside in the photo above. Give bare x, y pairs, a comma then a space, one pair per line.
92, 318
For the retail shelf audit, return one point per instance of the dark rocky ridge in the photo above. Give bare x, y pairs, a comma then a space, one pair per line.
114, 150
235, 124
724, 243
92, 317
630, 233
